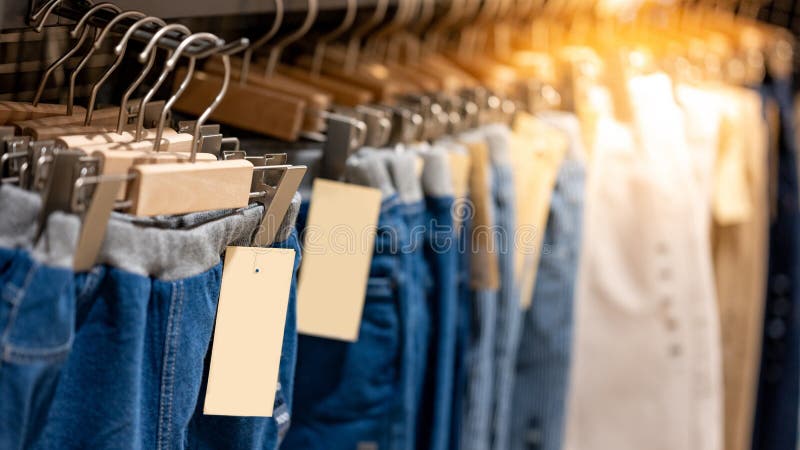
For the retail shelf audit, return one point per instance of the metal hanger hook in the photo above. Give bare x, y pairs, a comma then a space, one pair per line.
273, 30
277, 49
45, 11
322, 42
226, 61
150, 49
119, 50
92, 11
117, 61
170, 65
59, 62
354, 44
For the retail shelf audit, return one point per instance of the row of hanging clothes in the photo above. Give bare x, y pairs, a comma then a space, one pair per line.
452, 224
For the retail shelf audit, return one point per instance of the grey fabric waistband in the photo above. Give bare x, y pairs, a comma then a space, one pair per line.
437, 180
171, 254
19, 210
199, 218
367, 168
167, 248
403, 168
388, 170
498, 137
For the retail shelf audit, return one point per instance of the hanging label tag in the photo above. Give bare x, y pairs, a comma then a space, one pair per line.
459, 167
248, 335
485, 267
536, 161
459, 173
337, 251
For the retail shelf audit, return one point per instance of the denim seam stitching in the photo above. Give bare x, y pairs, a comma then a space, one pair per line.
176, 330
167, 372
21, 355
16, 301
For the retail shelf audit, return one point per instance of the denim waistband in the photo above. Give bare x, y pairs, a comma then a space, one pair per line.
135, 245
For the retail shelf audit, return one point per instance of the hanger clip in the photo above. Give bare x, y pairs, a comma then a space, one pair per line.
61, 173
274, 187
345, 135
14, 158
379, 125
210, 136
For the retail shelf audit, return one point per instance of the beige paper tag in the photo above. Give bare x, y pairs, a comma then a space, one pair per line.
248, 335
459, 174
536, 158
485, 266
459, 168
337, 251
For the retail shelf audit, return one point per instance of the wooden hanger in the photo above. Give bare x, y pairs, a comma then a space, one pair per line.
119, 152
178, 188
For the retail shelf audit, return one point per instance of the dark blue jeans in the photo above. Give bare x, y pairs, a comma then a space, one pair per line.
441, 253
350, 394
416, 317
263, 433
463, 331
779, 380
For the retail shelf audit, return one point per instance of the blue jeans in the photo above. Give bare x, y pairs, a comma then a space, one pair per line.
264, 433
133, 377
416, 322
509, 313
37, 314
350, 394
441, 253
543, 360
779, 380
463, 332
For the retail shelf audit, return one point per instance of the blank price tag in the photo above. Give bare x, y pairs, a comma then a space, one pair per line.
337, 251
248, 336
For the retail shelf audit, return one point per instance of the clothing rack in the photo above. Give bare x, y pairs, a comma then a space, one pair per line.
15, 15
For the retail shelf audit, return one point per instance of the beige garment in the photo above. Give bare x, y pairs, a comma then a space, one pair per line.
537, 150
740, 245
485, 269
647, 364
726, 123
